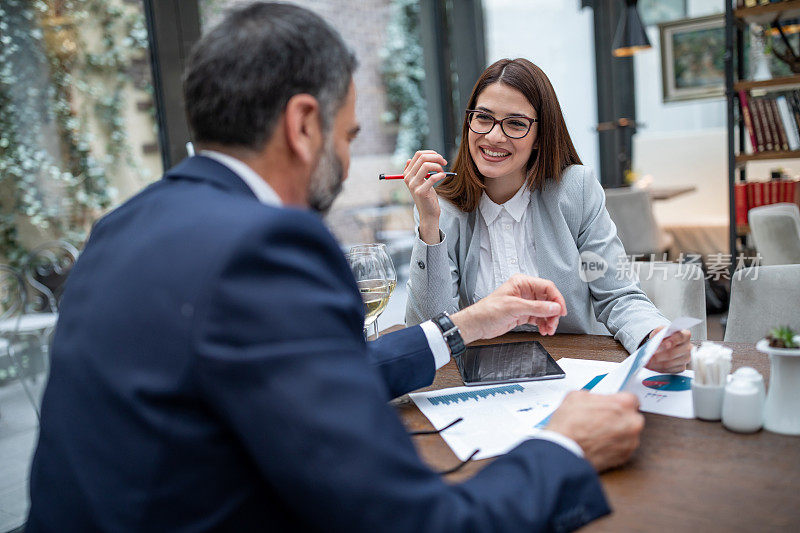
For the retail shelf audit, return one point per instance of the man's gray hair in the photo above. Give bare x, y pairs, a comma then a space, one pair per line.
242, 72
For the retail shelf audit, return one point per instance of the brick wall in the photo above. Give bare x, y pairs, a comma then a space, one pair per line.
362, 24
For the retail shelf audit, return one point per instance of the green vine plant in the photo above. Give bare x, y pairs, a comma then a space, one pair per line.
403, 72
49, 75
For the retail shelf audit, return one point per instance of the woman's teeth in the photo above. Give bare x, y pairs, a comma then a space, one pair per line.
495, 154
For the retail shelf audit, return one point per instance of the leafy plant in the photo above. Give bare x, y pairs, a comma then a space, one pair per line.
403, 70
54, 84
782, 337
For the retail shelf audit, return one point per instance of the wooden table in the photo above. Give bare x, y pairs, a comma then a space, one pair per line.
667, 193
687, 475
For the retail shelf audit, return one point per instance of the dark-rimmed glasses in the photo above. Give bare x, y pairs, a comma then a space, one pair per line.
514, 126
438, 431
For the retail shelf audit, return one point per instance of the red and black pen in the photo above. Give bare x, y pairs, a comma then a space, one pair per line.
400, 176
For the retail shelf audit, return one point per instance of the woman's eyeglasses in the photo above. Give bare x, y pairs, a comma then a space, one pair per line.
460, 465
515, 126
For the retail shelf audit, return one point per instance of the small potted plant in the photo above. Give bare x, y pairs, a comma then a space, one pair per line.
782, 409
782, 337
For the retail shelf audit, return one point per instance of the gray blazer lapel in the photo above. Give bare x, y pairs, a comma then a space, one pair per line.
472, 255
539, 238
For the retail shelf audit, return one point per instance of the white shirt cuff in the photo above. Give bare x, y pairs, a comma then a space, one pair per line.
438, 346
561, 440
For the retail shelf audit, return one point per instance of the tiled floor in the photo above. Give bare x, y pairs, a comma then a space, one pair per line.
18, 432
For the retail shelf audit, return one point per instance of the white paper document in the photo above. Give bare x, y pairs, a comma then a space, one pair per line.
499, 417
623, 375
664, 394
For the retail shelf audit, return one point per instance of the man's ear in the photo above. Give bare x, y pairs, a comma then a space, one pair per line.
303, 127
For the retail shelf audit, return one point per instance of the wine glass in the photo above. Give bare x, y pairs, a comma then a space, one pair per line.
373, 284
391, 272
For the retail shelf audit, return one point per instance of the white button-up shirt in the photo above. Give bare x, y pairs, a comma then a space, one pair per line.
507, 245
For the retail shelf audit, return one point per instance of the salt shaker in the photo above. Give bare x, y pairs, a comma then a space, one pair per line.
742, 406
752, 375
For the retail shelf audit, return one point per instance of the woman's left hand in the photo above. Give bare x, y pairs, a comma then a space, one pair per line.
673, 354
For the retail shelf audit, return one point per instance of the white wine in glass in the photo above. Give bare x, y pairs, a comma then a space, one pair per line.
373, 283
388, 265
375, 294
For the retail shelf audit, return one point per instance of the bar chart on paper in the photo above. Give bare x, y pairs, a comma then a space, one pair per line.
476, 395
496, 418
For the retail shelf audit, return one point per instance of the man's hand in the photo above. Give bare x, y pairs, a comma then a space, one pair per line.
674, 352
607, 427
520, 300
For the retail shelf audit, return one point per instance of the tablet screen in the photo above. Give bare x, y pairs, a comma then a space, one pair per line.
503, 363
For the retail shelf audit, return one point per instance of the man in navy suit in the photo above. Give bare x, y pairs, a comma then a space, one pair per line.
208, 368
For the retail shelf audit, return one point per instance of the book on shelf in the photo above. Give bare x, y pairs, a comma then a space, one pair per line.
775, 127
740, 202
758, 124
750, 194
748, 122
758, 198
793, 99
787, 191
766, 128
776, 117
789, 126
772, 121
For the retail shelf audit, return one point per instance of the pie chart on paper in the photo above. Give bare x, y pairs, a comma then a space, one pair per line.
668, 382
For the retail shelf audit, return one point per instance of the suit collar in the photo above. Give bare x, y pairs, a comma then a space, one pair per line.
201, 168
265, 194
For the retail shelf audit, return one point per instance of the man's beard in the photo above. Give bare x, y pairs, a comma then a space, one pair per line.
326, 181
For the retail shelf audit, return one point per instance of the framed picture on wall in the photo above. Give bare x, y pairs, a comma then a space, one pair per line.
693, 58
658, 11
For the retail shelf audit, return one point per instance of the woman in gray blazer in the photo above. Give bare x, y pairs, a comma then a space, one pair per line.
522, 202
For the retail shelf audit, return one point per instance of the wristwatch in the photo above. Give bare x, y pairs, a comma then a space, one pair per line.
451, 334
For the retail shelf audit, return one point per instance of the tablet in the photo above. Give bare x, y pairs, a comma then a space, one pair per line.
505, 363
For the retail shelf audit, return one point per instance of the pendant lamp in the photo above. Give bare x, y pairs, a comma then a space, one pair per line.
630, 36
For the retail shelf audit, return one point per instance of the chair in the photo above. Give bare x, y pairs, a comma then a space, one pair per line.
46, 269
676, 290
762, 298
12, 309
776, 233
632, 213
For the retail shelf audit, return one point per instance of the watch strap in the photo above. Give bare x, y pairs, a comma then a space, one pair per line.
451, 334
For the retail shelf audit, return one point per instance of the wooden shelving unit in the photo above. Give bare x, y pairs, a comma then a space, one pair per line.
736, 22
768, 13
775, 84
767, 156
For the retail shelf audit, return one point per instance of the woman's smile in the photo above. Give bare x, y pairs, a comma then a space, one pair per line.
494, 155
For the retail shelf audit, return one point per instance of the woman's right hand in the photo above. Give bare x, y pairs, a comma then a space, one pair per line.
425, 198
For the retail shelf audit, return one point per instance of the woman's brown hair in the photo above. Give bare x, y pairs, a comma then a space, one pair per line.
555, 150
